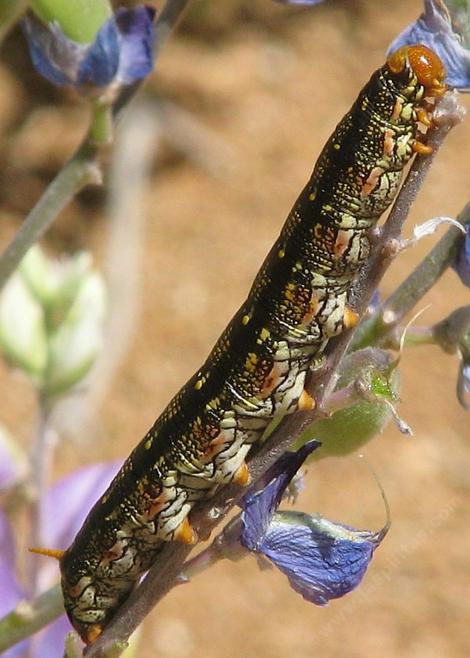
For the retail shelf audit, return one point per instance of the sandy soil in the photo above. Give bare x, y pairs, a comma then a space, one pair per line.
270, 90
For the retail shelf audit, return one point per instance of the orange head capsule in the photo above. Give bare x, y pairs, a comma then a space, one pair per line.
426, 65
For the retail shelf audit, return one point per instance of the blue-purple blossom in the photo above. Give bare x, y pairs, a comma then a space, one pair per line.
323, 560
462, 261
66, 506
434, 28
121, 53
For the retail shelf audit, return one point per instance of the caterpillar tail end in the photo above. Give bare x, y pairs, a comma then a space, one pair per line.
242, 475
185, 533
48, 552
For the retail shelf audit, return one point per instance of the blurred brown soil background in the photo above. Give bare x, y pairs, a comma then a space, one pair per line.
271, 82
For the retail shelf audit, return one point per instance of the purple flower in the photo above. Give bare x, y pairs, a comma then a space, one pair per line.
323, 560
434, 28
121, 53
462, 261
67, 503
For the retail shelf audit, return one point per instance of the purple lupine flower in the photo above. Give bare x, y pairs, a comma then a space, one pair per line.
121, 53
434, 29
462, 261
66, 506
323, 560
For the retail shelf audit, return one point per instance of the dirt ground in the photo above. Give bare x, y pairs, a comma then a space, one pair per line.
261, 88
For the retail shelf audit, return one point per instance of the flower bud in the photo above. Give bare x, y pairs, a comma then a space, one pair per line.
23, 337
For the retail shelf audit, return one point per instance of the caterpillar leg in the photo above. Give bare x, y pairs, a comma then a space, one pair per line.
185, 533
422, 149
242, 475
306, 402
91, 634
423, 117
350, 318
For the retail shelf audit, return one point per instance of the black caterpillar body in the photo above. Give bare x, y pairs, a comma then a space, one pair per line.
257, 368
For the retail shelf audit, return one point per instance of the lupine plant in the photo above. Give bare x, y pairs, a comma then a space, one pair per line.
52, 314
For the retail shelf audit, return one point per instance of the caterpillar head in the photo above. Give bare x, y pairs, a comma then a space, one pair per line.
418, 66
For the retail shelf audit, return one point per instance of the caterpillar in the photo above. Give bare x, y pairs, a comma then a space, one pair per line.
257, 368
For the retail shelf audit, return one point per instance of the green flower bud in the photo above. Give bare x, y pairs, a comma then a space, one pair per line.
77, 341
346, 430
54, 284
23, 337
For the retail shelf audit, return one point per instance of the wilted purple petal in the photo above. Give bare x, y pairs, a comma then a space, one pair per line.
100, 63
121, 52
136, 36
263, 498
55, 56
322, 560
462, 261
69, 501
434, 29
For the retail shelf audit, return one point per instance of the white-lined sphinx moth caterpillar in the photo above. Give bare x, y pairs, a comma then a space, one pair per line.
257, 368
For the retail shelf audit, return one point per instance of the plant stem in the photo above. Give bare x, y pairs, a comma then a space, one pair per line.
41, 459
415, 286
83, 167
30, 617
80, 170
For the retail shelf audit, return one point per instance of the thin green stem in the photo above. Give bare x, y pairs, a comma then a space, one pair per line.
29, 617
41, 459
79, 171
413, 289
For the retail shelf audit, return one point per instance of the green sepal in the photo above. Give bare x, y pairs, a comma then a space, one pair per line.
348, 429
80, 20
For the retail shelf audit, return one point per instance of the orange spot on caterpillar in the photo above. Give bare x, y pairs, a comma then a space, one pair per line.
389, 142
242, 475
57, 554
421, 149
91, 633
423, 117
371, 182
271, 381
306, 402
350, 318
342, 242
185, 533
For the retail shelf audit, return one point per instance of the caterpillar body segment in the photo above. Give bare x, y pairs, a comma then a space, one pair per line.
257, 368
